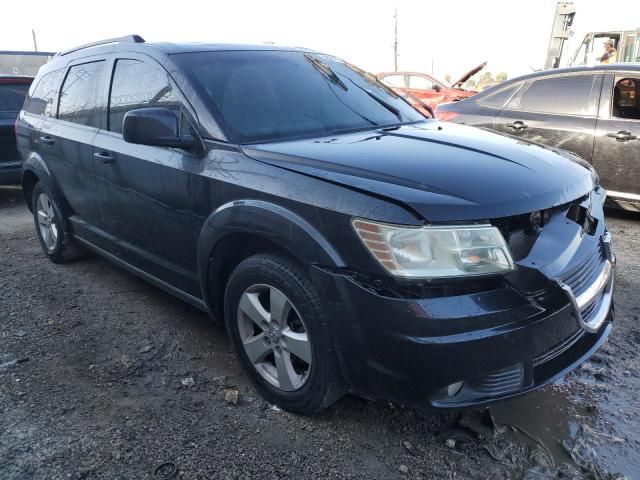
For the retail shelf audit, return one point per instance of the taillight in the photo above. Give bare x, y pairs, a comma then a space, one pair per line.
446, 116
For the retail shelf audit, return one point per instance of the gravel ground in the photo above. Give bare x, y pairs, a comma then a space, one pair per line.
114, 378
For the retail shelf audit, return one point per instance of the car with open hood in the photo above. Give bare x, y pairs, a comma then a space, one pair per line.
424, 91
347, 242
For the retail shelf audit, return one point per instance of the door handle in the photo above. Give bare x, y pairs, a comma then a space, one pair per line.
517, 125
105, 157
622, 136
47, 140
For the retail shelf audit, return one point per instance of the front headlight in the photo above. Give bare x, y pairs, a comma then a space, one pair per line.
436, 251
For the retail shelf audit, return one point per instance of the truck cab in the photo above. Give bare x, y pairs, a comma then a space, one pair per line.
626, 42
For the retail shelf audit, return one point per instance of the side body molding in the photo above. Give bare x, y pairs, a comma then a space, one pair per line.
272, 222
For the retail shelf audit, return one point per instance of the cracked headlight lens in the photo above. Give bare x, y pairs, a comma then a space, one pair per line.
436, 251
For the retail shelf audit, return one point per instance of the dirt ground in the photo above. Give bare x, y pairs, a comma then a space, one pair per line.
104, 376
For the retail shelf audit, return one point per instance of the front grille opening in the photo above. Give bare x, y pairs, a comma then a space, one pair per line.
522, 231
580, 215
519, 234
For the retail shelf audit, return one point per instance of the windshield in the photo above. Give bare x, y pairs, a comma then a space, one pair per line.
271, 95
12, 96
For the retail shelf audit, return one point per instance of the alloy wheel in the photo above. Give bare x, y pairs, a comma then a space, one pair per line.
47, 222
274, 337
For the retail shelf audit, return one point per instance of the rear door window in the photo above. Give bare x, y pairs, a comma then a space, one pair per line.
12, 96
423, 83
137, 84
499, 98
43, 98
568, 95
80, 94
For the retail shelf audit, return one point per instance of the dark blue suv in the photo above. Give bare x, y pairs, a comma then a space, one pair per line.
346, 241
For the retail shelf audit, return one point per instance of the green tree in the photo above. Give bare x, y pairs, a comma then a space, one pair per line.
486, 77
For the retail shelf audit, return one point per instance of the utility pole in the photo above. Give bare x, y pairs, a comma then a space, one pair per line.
35, 44
395, 41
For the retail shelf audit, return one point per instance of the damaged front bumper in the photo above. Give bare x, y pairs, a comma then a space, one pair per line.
459, 347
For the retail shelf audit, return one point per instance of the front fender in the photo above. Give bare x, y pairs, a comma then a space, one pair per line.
272, 222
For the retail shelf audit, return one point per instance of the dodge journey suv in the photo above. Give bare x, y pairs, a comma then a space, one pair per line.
346, 241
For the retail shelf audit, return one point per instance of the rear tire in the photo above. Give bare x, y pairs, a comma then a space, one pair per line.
52, 227
276, 322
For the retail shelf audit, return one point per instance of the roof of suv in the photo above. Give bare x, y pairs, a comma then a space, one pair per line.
136, 42
171, 48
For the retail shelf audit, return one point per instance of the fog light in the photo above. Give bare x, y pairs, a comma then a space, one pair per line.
454, 389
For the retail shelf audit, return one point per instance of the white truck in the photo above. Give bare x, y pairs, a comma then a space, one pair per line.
626, 40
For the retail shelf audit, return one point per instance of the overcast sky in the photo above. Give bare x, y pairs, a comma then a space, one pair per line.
455, 35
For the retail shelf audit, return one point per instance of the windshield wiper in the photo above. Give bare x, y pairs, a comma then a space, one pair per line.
386, 105
382, 102
326, 71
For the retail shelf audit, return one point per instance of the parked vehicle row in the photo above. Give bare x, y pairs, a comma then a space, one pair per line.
592, 112
346, 241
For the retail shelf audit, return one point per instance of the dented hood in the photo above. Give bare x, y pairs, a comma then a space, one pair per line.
441, 171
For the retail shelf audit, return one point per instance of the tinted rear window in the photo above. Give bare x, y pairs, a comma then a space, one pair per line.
80, 94
12, 96
267, 95
569, 95
44, 95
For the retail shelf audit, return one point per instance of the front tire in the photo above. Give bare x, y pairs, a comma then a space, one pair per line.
275, 320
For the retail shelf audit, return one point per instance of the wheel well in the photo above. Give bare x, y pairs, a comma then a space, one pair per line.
29, 180
227, 255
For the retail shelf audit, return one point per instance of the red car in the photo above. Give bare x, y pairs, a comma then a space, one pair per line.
422, 89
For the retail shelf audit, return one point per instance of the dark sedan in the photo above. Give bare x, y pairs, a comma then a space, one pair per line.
592, 112
13, 90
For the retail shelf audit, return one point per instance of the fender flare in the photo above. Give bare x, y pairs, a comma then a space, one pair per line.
36, 165
263, 219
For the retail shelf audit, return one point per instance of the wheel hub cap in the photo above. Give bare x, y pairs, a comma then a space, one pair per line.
47, 221
274, 337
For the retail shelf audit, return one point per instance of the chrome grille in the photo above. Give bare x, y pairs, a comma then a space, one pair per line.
590, 309
585, 272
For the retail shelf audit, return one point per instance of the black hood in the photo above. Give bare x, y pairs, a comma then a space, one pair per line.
443, 171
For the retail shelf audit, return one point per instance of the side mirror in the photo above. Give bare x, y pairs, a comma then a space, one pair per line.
155, 126
436, 87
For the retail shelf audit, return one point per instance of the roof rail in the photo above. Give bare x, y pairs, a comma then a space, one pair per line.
125, 39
